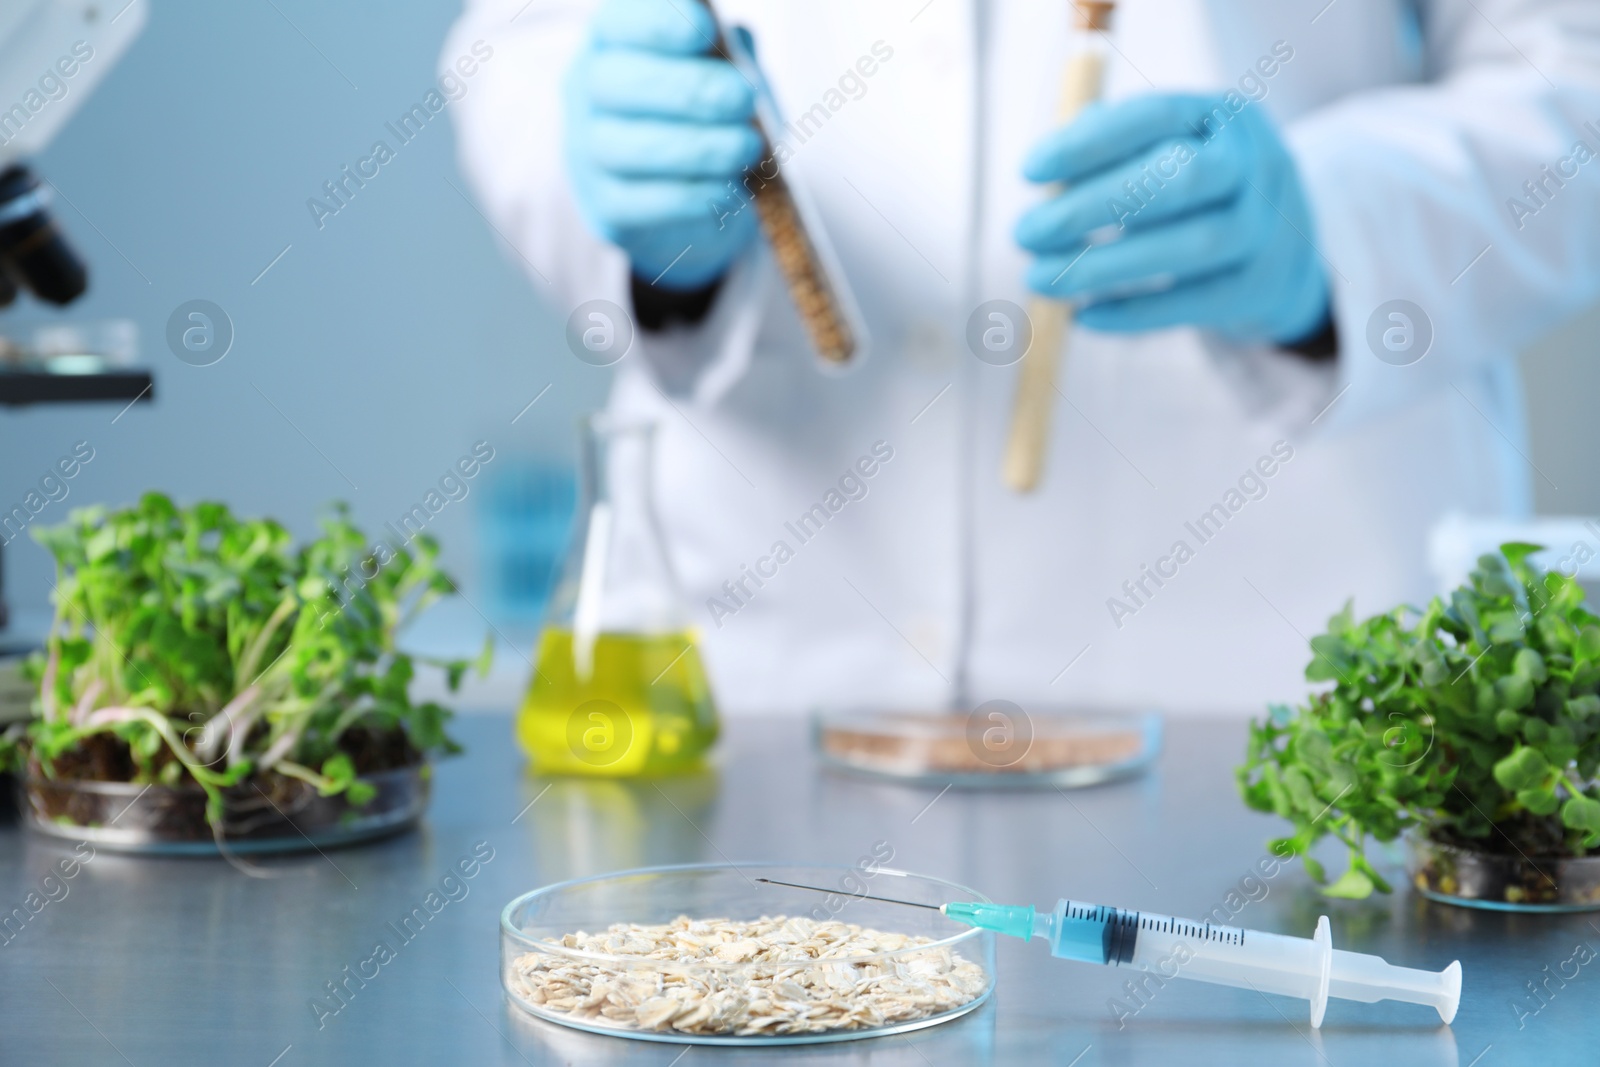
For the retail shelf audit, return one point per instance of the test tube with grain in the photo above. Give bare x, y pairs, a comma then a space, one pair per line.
799, 244
1052, 319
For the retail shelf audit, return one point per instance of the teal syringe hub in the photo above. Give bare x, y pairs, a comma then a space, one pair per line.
1001, 918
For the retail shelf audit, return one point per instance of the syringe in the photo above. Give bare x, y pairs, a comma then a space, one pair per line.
1309, 968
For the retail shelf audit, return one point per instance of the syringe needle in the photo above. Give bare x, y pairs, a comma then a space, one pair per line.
847, 893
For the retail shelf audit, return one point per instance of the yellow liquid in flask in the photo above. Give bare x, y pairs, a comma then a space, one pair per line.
644, 707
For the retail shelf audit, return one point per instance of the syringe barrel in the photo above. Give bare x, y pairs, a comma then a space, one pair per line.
1271, 963
1170, 947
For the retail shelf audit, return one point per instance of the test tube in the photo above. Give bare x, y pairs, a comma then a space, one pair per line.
1023, 464
792, 227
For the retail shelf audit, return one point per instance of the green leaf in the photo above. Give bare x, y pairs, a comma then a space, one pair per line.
1540, 801
1298, 786
1525, 768
1328, 662
1493, 576
1514, 691
1435, 671
1505, 627
1352, 885
101, 545
339, 771
1278, 796
1315, 750
1584, 706
1464, 603
1530, 665
1517, 552
1340, 781
1284, 848
1581, 813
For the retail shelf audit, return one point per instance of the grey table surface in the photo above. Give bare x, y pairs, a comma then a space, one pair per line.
178, 961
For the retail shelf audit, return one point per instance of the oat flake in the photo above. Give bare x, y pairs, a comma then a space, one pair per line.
794, 976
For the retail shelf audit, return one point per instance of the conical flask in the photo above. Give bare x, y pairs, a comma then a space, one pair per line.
618, 686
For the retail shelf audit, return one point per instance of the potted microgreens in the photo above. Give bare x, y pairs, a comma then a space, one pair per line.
1472, 726
205, 684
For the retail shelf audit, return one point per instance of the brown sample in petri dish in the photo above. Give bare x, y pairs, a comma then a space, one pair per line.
1052, 748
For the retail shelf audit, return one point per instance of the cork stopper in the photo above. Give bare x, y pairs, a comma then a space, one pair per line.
1093, 14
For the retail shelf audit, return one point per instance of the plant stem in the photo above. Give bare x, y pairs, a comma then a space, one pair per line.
245, 674
324, 784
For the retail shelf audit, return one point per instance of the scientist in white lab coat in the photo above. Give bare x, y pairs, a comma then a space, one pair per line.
1251, 428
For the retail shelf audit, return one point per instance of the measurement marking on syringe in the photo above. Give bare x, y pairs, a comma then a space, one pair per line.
1166, 924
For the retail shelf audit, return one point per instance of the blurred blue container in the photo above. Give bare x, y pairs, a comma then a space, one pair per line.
523, 529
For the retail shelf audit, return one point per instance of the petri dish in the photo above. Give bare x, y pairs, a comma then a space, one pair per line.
171, 820
999, 745
1501, 881
945, 973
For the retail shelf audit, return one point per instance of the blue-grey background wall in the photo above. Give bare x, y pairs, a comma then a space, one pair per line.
380, 347
368, 358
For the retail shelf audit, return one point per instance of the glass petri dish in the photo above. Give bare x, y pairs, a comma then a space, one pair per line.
1501, 881
171, 820
902, 986
999, 745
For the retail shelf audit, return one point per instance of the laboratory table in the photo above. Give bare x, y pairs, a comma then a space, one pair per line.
189, 961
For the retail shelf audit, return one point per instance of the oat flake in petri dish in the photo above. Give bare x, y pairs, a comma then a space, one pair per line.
707, 954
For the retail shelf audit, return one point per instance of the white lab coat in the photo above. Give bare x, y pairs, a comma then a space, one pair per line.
1412, 129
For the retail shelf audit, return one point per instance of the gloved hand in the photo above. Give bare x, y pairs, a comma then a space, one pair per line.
655, 129
1214, 230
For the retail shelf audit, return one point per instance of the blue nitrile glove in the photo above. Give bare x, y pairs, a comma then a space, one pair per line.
1213, 231
656, 129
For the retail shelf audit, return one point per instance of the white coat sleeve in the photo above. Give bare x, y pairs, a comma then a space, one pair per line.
1415, 192
510, 143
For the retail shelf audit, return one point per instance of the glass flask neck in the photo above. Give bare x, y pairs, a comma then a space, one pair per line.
616, 469
618, 577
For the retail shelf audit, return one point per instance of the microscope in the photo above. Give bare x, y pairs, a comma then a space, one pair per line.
53, 54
